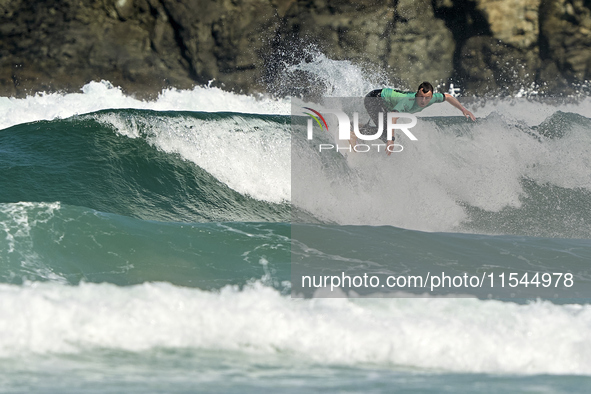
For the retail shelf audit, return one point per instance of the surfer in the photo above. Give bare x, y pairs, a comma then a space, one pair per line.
392, 100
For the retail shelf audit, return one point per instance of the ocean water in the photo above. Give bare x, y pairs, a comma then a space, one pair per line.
147, 246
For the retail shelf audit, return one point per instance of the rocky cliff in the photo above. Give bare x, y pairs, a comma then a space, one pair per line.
486, 46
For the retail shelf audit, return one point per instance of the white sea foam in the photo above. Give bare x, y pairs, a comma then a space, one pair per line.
96, 96
427, 185
462, 335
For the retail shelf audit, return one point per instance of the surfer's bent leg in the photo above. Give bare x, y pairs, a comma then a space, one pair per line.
374, 104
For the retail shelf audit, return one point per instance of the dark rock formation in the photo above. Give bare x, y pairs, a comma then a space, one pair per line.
490, 66
565, 42
487, 46
61, 45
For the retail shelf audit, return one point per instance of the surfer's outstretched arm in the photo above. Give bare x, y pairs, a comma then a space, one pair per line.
454, 101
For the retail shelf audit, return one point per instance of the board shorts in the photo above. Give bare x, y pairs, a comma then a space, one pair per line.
374, 104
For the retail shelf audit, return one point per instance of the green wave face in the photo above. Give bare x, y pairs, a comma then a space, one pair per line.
84, 161
67, 244
56, 242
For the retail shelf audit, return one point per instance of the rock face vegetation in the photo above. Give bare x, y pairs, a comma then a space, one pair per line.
485, 46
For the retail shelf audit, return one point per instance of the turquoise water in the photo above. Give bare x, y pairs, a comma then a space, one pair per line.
151, 251
228, 372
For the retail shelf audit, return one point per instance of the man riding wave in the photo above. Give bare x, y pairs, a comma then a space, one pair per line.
392, 100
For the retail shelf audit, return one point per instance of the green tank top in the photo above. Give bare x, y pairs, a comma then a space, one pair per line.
405, 101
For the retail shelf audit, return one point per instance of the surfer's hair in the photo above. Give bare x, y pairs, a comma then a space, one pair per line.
426, 87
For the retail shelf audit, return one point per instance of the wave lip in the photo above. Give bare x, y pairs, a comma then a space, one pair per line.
249, 153
96, 96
